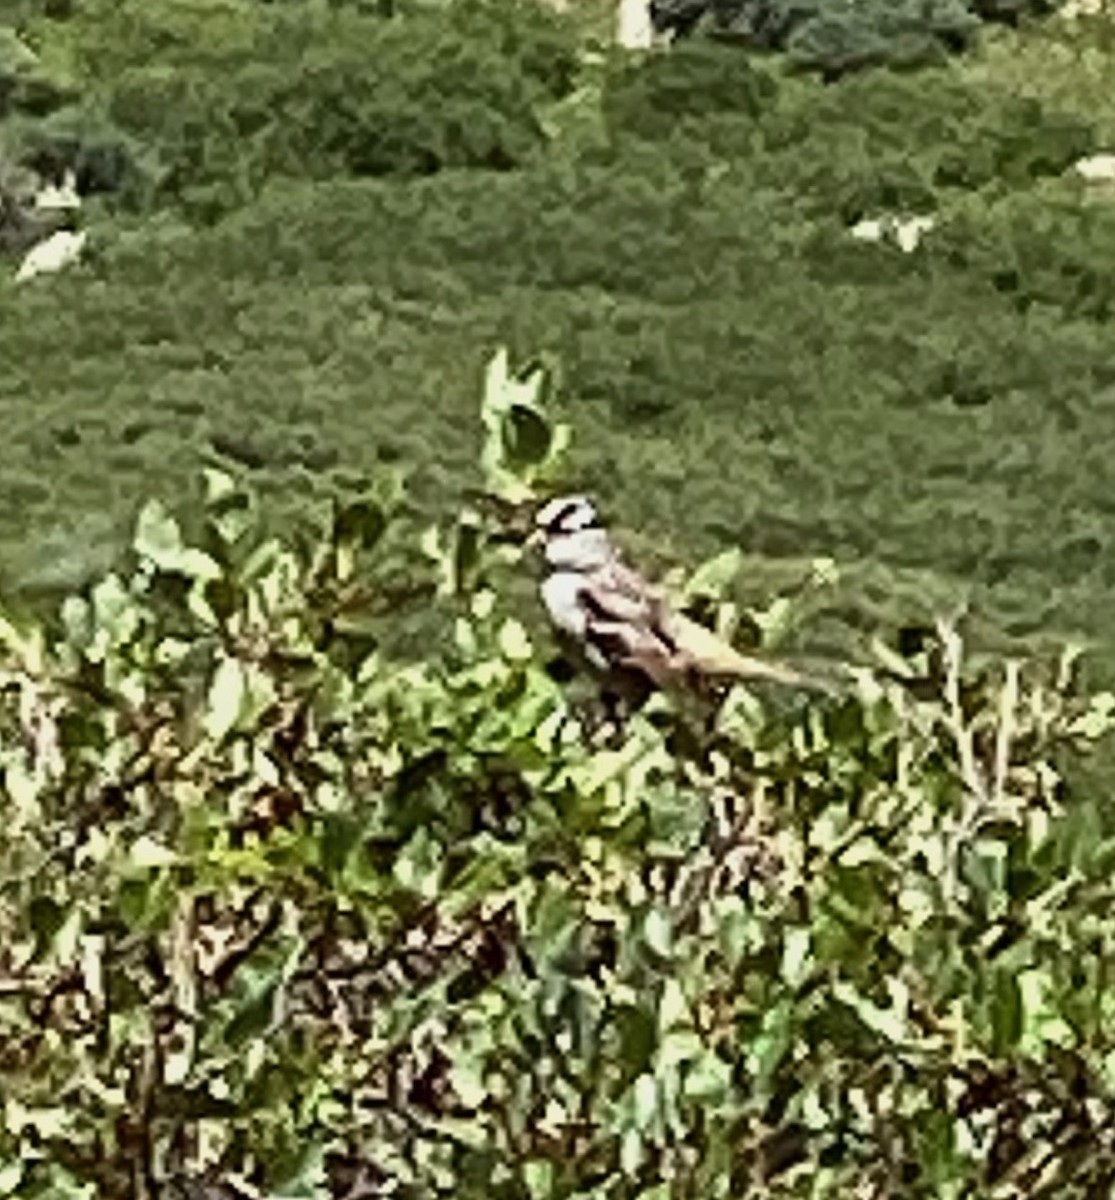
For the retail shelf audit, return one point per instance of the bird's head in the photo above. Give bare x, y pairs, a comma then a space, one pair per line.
571, 534
566, 515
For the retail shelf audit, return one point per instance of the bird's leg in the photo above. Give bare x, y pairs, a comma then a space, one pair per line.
616, 712
592, 713
599, 719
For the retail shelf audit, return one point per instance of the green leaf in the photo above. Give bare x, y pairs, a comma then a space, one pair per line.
299, 1173
796, 956
771, 1043
255, 1014
218, 485
659, 932
467, 1077
519, 440
360, 523
712, 579
239, 694
889, 1023
646, 1100
1006, 1010
673, 1008
228, 693
117, 617
708, 1079
158, 541
632, 1152
230, 515
11, 1175
148, 854
1042, 1022
1099, 718
418, 866
157, 536
514, 644
46, 917
538, 1175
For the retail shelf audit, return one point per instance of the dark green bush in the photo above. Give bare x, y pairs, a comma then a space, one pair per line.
104, 38
875, 139
744, 369
1012, 11
835, 38
1038, 253
26, 85
104, 157
895, 33
448, 101
696, 79
222, 94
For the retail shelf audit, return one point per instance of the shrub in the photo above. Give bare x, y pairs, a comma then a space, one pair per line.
835, 38
848, 37
223, 94
696, 79
279, 910
1037, 252
449, 102
101, 38
25, 84
105, 159
877, 139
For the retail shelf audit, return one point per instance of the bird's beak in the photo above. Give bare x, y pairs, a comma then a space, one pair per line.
516, 520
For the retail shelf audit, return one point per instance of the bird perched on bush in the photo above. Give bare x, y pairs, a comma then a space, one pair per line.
623, 625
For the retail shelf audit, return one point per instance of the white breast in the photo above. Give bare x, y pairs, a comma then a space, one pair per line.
584, 550
561, 594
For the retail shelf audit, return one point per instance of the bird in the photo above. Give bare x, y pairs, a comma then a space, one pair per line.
621, 623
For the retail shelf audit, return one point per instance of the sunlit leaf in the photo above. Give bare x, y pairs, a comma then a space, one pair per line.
158, 539
11, 1175
514, 643
538, 1176
658, 930
646, 1101
228, 693
713, 578
796, 957
147, 854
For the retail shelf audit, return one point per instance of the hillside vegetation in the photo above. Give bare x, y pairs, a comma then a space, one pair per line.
309, 885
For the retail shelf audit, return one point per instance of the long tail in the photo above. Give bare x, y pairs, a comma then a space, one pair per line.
710, 655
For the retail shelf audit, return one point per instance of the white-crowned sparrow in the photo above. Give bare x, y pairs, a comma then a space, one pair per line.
619, 621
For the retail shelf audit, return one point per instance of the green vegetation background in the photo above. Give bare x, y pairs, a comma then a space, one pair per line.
737, 369
386, 929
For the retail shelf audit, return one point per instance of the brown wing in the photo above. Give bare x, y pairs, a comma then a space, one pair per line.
636, 627
625, 617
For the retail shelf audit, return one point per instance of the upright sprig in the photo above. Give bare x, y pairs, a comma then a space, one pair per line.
523, 447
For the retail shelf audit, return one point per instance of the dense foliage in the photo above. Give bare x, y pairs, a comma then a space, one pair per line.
199, 101
283, 916
307, 882
743, 370
833, 37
